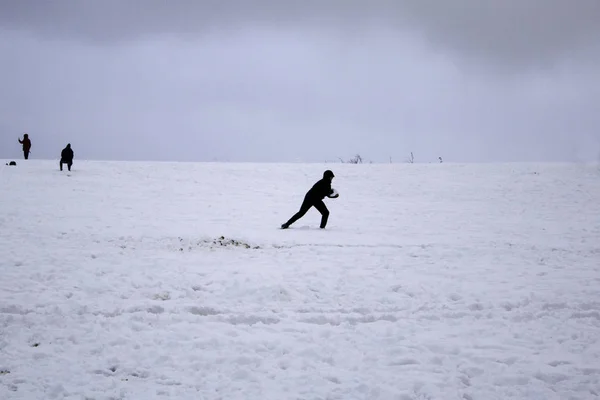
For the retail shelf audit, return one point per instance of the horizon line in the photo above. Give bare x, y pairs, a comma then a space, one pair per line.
305, 162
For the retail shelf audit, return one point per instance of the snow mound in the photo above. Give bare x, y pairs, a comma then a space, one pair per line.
220, 242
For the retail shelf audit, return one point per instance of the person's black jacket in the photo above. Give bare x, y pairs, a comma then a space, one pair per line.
67, 154
322, 188
26, 143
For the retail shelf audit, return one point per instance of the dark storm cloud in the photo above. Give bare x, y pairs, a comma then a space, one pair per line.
506, 31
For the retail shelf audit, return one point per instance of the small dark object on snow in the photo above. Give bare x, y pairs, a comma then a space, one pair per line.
12, 163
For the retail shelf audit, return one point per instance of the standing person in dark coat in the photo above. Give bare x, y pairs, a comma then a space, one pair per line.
26, 145
66, 157
314, 197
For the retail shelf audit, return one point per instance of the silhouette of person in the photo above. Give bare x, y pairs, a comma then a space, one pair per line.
66, 157
314, 197
26, 145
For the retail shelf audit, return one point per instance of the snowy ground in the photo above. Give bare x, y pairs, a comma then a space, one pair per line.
472, 282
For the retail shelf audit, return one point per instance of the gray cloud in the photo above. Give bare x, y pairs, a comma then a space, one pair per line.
310, 81
519, 32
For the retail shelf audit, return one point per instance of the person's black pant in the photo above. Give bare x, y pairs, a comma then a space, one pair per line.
306, 205
26, 154
68, 162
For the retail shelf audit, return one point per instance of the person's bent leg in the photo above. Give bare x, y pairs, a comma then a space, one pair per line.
306, 205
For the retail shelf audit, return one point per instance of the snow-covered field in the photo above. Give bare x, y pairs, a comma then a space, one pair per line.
433, 281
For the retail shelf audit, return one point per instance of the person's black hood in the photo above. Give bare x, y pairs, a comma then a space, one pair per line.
328, 174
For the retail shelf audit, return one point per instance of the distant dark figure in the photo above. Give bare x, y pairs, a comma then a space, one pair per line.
66, 157
314, 197
26, 145
13, 163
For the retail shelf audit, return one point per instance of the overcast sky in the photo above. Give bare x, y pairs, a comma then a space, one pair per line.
241, 80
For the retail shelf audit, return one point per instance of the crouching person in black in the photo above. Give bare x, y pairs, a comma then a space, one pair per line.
66, 157
314, 197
